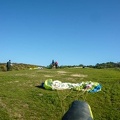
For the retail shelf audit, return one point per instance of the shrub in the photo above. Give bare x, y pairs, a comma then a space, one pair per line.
2, 68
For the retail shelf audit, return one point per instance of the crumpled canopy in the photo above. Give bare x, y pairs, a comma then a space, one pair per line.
82, 86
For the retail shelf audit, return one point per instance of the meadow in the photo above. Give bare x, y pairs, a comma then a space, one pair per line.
22, 98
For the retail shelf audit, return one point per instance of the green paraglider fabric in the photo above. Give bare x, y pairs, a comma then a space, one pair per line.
82, 86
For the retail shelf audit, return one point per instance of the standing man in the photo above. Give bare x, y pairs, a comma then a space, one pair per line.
53, 64
56, 64
8, 65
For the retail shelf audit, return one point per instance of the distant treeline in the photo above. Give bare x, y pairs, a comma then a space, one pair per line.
98, 65
107, 65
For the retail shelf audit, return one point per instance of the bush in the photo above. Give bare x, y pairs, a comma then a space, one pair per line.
2, 68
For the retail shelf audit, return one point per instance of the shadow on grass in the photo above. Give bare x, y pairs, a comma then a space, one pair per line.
40, 86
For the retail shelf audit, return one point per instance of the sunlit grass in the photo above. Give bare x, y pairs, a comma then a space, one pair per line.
21, 97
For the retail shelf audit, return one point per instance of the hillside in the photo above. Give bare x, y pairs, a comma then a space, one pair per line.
19, 66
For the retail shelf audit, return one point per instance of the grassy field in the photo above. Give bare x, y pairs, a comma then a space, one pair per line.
21, 98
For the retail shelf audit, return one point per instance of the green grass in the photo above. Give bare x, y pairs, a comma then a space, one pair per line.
22, 99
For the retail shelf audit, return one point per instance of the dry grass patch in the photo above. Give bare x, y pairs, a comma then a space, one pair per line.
79, 75
48, 76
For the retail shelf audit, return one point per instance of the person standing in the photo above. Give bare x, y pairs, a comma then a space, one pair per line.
56, 64
8, 65
53, 63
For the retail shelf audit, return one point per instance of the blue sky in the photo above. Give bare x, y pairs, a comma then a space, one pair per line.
71, 32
